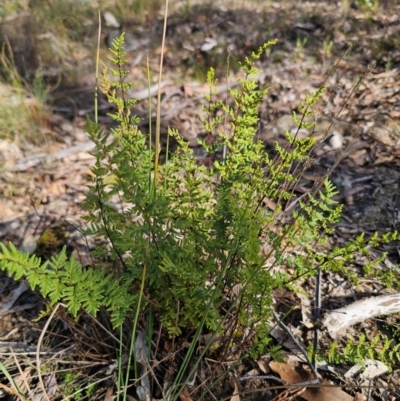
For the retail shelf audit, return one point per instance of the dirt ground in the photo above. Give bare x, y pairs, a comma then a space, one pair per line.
355, 54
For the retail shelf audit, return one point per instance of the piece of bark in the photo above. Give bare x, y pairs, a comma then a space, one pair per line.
8, 302
360, 311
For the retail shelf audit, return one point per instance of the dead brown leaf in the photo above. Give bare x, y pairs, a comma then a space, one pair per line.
359, 397
235, 395
295, 374
109, 394
184, 395
263, 365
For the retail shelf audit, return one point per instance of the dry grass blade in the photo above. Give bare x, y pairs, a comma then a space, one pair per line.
38, 350
22, 374
12, 392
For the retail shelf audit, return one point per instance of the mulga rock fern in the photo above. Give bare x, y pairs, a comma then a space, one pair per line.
189, 243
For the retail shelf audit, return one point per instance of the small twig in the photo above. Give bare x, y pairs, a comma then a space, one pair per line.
154, 376
284, 382
289, 394
102, 326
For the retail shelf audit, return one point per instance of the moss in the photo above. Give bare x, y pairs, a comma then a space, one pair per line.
51, 241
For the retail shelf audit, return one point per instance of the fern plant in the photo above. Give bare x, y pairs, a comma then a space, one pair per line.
380, 348
193, 244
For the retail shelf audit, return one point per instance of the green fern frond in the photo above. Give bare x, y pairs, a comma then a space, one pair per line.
64, 280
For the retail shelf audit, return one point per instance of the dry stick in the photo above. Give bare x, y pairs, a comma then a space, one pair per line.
38, 349
285, 383
369, 390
